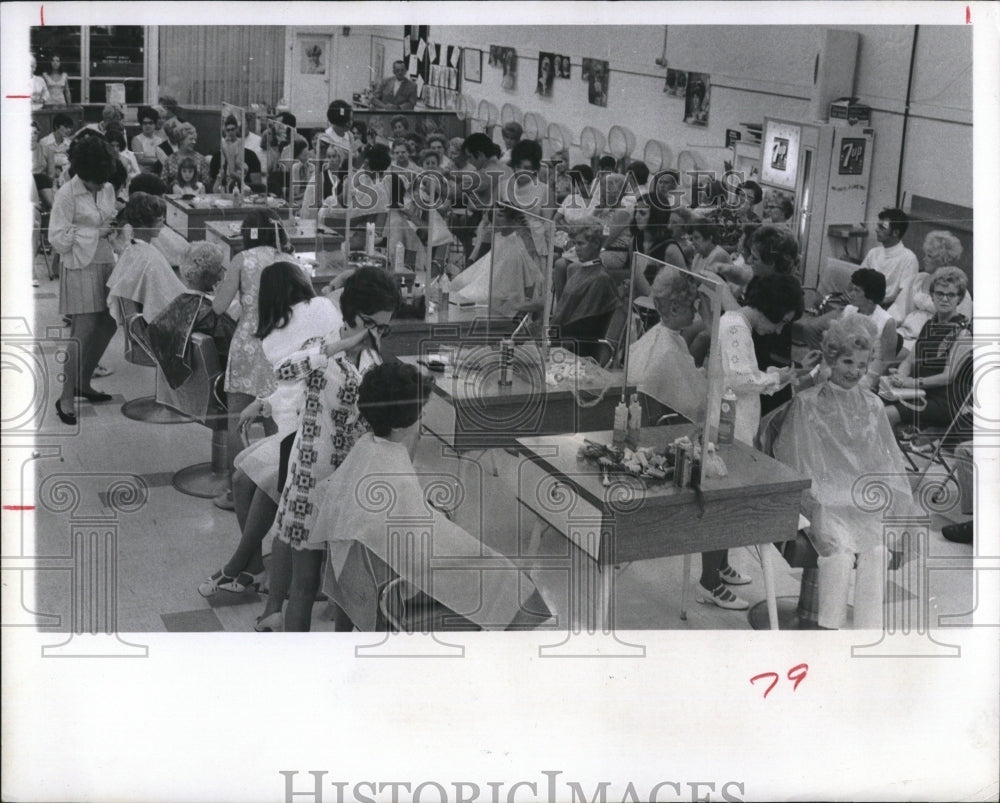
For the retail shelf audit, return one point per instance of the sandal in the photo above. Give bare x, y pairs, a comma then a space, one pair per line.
269, 624
214, 583
722, 597
730, 576
244, 581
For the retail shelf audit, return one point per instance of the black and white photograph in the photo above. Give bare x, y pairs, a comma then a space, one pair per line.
546, 74
696, 98
563, 66
495, 442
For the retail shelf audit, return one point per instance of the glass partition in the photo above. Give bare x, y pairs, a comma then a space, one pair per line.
278, 143
231, 166
675, 360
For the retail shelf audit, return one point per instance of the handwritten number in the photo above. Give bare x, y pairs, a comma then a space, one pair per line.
774, 683
796, 674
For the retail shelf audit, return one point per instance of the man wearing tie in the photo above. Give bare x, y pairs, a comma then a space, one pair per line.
398, 92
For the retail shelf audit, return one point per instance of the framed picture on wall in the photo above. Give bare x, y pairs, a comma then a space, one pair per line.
779, 154
313, 57
852, 157
472, 61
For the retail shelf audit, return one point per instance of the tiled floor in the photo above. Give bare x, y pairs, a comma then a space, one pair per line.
163, 544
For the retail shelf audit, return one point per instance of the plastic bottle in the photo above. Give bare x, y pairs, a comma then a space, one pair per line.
634, 422
398, 264
727, 417
620, 433
237, 198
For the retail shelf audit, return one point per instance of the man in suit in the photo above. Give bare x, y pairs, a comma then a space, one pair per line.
398, 92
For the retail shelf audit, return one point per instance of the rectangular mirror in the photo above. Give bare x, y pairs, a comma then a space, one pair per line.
232, 166
674, 361
279, 142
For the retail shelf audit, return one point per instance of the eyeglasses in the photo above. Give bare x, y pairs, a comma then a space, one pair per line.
884, 225
945, 296
381, 329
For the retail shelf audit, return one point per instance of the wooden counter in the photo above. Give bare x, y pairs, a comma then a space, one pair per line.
188, 217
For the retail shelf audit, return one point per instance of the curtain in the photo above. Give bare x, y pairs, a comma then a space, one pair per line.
209, 65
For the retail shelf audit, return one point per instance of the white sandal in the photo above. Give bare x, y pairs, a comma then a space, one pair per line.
722, 597
730, 576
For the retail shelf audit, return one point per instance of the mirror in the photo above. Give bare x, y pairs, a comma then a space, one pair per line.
278, 142
233, 168
674, 361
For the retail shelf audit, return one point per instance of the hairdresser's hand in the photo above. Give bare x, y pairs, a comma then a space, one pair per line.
811, 360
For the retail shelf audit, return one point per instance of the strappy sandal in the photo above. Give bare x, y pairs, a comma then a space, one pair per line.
722, 597
270, 624
244, 581
214, 583
730, 576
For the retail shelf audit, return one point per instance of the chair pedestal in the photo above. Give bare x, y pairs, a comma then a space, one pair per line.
207, 480
793, 614
148, 410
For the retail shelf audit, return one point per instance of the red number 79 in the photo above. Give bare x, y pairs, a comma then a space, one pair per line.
796, 674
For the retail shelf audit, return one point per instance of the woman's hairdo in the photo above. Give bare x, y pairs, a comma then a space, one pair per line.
941, 248
92, 159
851, 332
950, 276
671, 286
143, 209
775, 295
590, 227
203, 266
391, 397
777, 248
367, 291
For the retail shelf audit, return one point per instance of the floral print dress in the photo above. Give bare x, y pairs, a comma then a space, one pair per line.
248, 370
328, 428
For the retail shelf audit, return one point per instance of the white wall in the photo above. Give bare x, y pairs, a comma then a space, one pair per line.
755, 71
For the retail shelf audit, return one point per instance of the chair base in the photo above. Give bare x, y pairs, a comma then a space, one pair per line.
788, 616
201, 480
149, 410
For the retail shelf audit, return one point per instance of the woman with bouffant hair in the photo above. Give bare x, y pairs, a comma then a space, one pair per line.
80, 226
834, 433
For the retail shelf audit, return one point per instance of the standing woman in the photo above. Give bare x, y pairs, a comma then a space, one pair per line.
79, 228
58, 84
327, 429
248, 372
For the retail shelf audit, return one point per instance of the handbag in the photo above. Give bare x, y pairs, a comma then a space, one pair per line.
914, 398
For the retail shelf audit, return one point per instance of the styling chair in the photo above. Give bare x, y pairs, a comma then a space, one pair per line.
138, 352
200, 399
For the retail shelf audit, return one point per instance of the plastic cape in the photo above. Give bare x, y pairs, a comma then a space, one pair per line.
376, 499
842, 440
170, 333
589, 293
663, 368
143, 275
513, 272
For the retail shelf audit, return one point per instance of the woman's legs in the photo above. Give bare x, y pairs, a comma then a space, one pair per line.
834, 581
711, 563
869, 589
307, 565
89, 336
255, 512
280, 577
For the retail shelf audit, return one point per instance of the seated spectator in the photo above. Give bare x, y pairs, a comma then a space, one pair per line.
116, 138
890, 257
438, 143
834, 433
577, 204
914, 306
302, 172
617, 222
169, 333
56, 149
511, 133
456, 153
40, 168
589, 299
654, 237
939, 362
326, 189
111, 116
865, 293
145, 143
778, 211
187, 137
235, 164
187, 178
141, 273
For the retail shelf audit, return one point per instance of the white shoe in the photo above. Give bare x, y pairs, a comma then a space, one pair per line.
730, 576
722, 597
